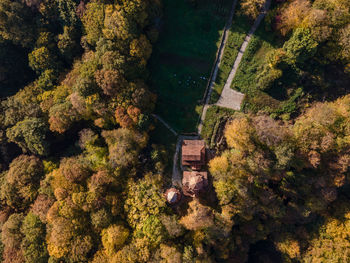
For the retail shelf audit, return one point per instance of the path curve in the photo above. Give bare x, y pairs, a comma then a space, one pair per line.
230, 98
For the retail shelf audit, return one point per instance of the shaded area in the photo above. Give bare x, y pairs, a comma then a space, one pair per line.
182, 59
264, 251
14, 70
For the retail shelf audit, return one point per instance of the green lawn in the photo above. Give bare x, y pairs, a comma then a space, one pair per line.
182, 60
239, 29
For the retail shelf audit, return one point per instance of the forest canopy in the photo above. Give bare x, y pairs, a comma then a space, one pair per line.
83, 177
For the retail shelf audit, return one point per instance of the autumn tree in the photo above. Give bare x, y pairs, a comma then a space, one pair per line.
135, 205
93, 21
74, 169
17, 23
124, 146
22, 182
198, 216
252, 8
293, 15
11, 237
33, 242
331, 242
110, 81
113, 238
345, 42
239, 134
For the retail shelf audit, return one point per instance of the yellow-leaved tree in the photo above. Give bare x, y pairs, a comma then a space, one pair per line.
252, 8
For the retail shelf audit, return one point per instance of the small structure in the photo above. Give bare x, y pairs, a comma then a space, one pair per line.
193, 154
194, 182
172, 195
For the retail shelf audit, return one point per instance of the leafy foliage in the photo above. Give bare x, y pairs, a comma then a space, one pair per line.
81, 178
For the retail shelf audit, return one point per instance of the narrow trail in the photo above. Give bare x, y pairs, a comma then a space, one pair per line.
217, 63
230, 98
165, 124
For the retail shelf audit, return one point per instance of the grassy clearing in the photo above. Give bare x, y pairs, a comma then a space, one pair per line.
182, 60
239, 29
213, 118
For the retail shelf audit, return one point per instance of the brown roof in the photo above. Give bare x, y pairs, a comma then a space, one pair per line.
192, 150
193, 182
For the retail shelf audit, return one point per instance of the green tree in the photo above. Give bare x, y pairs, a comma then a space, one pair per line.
24, 104
42, 59
30, 135
300, 47
68, 43
101, 218
33, 243
67, 12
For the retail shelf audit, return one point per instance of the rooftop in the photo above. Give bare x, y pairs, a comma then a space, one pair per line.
194, 182
193, 151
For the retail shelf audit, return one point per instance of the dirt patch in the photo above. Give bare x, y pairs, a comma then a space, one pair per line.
177, 60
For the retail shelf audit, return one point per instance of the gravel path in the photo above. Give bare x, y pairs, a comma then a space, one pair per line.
230, 98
